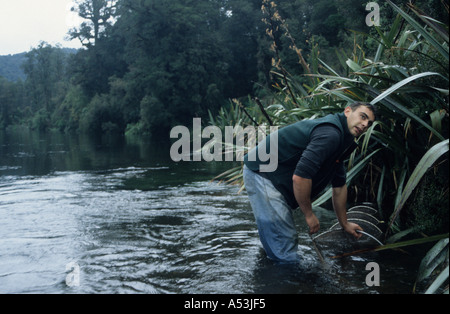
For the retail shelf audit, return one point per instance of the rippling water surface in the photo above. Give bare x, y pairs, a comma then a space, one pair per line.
133, 223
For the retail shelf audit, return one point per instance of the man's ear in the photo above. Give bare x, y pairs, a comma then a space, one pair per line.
347, 111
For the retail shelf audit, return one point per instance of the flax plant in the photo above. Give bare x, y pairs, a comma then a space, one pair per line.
408, 80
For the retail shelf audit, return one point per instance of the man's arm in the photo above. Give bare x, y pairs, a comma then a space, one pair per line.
340, 208
323, 143
302, 192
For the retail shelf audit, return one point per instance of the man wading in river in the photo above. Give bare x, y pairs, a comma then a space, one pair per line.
310, 156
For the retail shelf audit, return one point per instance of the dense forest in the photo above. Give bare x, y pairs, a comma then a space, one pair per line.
151, 64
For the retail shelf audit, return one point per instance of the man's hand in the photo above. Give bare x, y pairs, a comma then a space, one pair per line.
351, 228
339, 204
313, 223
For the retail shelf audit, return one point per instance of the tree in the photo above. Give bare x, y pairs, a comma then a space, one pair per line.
98, 16
241, 33
175, 56
45, 68
6, 98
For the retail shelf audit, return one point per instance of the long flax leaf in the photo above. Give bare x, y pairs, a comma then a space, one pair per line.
437, 45
404, 82
425, 163
395, 106
443, 276
396, 245
432, 259
380, 194
437, 26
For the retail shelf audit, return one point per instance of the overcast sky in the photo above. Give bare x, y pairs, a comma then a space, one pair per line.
25, 23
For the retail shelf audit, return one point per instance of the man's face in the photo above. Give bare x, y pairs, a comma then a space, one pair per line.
360, 120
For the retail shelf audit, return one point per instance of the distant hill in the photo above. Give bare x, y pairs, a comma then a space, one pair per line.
10, 65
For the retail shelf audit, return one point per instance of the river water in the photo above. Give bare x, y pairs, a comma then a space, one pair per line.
79, 215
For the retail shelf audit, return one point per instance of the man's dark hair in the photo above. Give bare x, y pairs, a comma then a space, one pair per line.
372, 108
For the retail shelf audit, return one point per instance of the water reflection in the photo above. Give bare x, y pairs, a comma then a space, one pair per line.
138, 224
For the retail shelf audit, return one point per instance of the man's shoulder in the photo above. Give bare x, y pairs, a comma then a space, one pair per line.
327, 130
